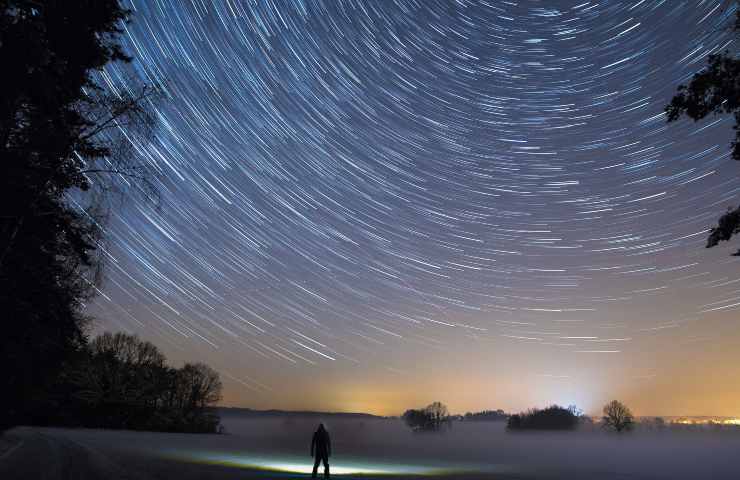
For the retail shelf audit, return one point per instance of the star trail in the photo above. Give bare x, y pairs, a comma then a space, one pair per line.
479, 202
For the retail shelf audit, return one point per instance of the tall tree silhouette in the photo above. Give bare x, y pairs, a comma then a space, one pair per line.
57, 128
714, 90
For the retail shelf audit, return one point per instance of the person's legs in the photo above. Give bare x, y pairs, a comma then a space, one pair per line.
316, 465
326, 465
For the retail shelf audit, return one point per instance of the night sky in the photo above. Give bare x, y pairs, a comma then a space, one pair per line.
372, 205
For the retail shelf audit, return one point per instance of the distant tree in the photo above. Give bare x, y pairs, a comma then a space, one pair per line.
430, 418
617, 416
553, 417
416, 419
653, 423
714, 90
514, 422
486, 415
438, 414
60, 136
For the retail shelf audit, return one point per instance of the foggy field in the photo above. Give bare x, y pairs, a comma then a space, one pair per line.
279, 447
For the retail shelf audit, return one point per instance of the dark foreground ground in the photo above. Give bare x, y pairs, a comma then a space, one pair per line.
279, 448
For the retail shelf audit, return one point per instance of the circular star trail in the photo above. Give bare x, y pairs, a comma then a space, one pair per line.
396, 192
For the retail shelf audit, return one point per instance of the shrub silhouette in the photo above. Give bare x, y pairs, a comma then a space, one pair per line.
486, 416
553, 417
430, 418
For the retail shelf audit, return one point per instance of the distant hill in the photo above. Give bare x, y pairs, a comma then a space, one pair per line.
248, 412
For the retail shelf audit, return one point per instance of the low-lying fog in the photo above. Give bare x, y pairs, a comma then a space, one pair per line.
485, 448
488, 446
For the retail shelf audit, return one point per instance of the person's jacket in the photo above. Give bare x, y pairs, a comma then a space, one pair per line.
320, 443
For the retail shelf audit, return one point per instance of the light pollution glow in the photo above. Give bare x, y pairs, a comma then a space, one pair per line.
373, 205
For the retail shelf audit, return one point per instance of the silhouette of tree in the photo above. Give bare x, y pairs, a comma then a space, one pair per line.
120, 378
198, 387
416, 419
58, 130
486, 415
617, 416
438, 414
714, 90
430, 418
553, 417
124, 382
128, 349
727, 226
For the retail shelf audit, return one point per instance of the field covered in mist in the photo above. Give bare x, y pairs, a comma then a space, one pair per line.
486, 447
259, 447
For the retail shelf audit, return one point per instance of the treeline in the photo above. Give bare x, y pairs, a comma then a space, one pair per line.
553, 417
485, 416
616, 416
435, 416
120, 381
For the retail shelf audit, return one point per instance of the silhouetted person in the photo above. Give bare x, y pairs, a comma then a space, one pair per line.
321, 449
